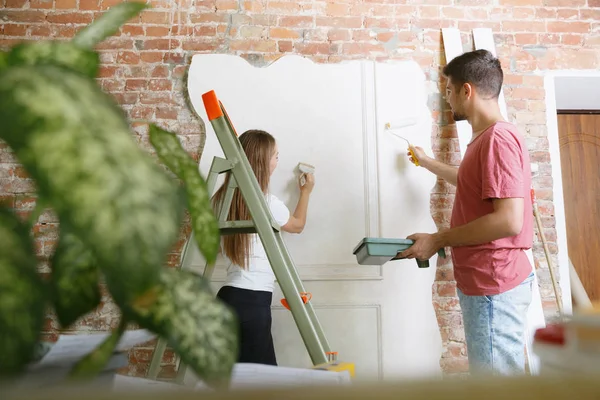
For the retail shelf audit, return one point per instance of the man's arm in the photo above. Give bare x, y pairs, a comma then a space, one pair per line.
444, 171
506, 220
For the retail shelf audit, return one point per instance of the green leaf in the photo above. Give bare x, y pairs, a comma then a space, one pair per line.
107, 24
199, 327
63, 54
204, 222
95, 361
22, 296
75, 142
75, 278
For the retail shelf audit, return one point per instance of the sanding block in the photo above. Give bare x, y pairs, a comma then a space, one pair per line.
305, 169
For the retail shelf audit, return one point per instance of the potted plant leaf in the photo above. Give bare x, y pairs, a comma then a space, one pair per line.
119, 213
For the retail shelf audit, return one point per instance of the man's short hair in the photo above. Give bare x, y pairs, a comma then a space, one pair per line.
479, 68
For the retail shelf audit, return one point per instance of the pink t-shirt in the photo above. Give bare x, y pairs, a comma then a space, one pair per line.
496, 165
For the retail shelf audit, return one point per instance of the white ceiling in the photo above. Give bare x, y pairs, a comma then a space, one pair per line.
577, 92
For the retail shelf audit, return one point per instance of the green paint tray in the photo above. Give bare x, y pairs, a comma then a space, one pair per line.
378, 251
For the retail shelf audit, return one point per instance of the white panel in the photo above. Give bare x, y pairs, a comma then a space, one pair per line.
317, 115
452, 48
352, 330
484, 39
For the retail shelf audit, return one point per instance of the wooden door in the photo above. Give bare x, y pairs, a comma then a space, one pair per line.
579, 136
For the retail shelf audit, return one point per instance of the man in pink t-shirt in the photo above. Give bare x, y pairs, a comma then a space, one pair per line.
492, 218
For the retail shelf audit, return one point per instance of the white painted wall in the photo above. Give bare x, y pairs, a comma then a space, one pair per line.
333, 116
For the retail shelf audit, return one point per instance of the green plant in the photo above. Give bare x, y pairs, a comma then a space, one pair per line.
119, 213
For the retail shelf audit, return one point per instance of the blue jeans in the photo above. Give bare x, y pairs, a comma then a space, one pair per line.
495, 329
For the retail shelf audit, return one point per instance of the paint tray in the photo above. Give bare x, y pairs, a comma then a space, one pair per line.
378, 251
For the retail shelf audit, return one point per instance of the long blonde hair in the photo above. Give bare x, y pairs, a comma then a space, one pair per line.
259, 147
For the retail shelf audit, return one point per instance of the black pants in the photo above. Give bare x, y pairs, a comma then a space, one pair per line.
253, 309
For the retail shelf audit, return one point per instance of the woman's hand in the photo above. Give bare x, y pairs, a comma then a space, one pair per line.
309, 183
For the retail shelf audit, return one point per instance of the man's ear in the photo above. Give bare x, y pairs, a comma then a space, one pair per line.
468, 90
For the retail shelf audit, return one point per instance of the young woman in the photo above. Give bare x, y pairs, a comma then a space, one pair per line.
248, 288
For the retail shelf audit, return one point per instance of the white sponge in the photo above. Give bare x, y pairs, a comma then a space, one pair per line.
305, 169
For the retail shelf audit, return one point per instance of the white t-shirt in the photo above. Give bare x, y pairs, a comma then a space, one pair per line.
259, 275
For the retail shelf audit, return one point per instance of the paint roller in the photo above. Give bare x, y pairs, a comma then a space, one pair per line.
305, 169
403, 123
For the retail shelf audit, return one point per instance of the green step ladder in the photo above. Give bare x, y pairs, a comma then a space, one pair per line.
263, 223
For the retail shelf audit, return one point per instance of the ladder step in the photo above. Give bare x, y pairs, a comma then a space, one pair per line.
232, 227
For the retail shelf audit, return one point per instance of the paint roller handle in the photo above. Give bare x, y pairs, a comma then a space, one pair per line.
416, 154
413, 156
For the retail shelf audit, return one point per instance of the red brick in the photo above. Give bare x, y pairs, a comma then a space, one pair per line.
155, 17
523, 13
157, 31
40, 30
283, 33
523, 26
160, 71
160, 44
197, 45
254, 32
571, 40
446, 289
531, 3
70, 18
128, 57
136, 84
160, 85
89, 5
206, 18
132, 30
226, 5
568, 13
453, 12
525, 38
253, 45
339, 35
337, 9
285, 46
15, 3
545, 13
205, 30
312, 48
384, 22
24, 16
151, 56
361, 48
167, 113
340, 22
15, 29
565, 3
41, 4
568, 27
299, 22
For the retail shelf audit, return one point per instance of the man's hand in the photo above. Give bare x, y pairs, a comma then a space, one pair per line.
425, 246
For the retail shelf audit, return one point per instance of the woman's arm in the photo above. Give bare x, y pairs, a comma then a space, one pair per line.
297, 220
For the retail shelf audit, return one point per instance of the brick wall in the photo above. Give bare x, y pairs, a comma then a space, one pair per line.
144, 64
